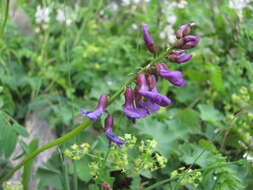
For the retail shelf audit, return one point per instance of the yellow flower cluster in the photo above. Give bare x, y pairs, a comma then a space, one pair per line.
187, 176
118, 157
242, 98
77, 151
94, 168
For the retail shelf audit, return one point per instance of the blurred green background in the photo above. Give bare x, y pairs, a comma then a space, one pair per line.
52, 68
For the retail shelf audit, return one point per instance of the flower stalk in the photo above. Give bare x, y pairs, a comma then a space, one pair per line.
82, 126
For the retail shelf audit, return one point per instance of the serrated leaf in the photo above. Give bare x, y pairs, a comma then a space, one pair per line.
209, 113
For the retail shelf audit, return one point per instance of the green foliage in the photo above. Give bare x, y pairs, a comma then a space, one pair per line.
54, 69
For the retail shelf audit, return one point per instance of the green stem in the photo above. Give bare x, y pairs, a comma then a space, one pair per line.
81, 127
66, 175
5, 17
75, 179
58, 141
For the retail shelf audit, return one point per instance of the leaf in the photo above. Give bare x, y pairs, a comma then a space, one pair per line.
208, 145
216, 77
209, 113
20, 130
82, 169
49, 178
166, 134
8, 136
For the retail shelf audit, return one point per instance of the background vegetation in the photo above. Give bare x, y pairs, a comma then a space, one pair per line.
53, 69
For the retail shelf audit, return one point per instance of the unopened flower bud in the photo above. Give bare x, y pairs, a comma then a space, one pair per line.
184, 30
148, 39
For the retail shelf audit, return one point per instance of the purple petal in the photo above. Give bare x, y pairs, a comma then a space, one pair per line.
191, 38
136, 113
184, 58
190, 41
92, 115
113, 138
147, 38
178, 52
184, 29
150, 107
156, 97
175, 77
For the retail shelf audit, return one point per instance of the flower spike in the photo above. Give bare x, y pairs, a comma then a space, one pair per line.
100, 109
109, 134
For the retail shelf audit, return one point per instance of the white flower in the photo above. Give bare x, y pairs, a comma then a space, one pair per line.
168, 34
42, 14
136, 1
68, 22
239, 4
60, 17
172, 19
134, 26
182, 4
114, 7
126, 2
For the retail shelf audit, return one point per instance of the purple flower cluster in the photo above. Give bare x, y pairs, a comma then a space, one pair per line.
184, 42
145, 99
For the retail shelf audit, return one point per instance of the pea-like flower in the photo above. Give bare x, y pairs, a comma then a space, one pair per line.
175, 77
100, 109
148, 39
184, 30
190, 41
177, 57
109, 134
153, 95
129, 107
148, 105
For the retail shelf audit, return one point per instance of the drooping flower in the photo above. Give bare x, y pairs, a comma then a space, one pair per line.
148, 39
153, 95
177, 57
175, 77
148, 105
109, 134
184, 30
100, 109
130, 109
190, 41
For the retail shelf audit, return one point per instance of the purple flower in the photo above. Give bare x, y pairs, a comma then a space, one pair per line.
148, 39
109, 134
149, 106
129, 108
176, 56
184, 30
175, 77
153, 95
190, 41
100, 109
